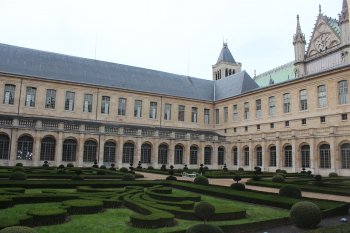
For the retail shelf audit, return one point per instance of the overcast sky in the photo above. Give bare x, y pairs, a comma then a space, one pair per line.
176, 36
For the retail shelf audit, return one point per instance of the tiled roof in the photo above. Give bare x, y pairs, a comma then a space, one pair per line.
225, 55
277, 75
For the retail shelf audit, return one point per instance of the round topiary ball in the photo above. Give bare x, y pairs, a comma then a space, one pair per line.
128, 177
18, 176
101, 172
290, 191
171, 178
18, 229
204, 228
103, 167
333, 174
123, 169
70, 165
204, 210
305, 214
278, 179
201, 180
238, 186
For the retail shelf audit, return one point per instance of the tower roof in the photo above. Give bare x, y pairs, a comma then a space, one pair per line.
225, 55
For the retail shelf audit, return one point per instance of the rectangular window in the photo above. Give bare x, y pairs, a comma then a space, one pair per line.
246, 128
217, 116
122, 107
87, 103
303, 121
105, 104
30, 97
235, 130
257, 127
272, 106
235, 112
9, 94
167, 112
181, 113
225, 114
286, 123
343, 92
153, 110
258, 108
303, 100
246, 110
194, 114
286, 103
69, 102
344, 116
322, 119
322, 96
138, 108
50, 100
206, 116
272, 125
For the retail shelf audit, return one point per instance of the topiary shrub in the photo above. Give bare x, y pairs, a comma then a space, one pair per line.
61, 166
112, 168
101, 172
79, 206
61, 171
48, 216
139, 165
333, 174
103, 167
18, 229
305, 214
237, 178
256, 177
204, 228
278, 178
204, 210
290, 191
131, 166
171, 178
17, 176
282, 172
238, 186
95, 164
78, 171
163, 167
19, 164
128, 177
46, 164
201, 180
70, 165
225, 168
318, 177
185, 168
123, 169
18, 169
150, 168
77, 177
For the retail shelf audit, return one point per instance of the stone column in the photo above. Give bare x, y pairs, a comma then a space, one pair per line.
295, 157
334, 155
80, 152
137, 151
265, 160
36, 151
171, 152
119, 159
154, 159
187, 153
101, 150
214, 159
59, 146
251, 156
13, 154
313, 156
279, 155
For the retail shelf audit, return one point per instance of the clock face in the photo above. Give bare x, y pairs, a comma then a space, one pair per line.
322, 42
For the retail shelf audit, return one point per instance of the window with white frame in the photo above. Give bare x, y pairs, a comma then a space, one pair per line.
235, 112
181, 113
87, 103
206, 116
322, 96
122, 107
272, 106
343, 92
286, 103
305, 156
50, 99
153, 110
194, 114
259, 156
246, 110
258, 108
246, 156
9, 94
288, 159
325, 156
69, 102
138, 108
167, 112
235, 156
225, 114
30, 97
105, 104
273, 160
345, 155
303, 100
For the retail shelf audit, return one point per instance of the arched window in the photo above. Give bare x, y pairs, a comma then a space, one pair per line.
345, 155
4, 146
193, 155
146, 153
235, 156
207, 155
25, 148
90, 151
109, 152
163, 154
273, 159
221, 156
246, 156
259, 156
128, 153
69, 150
325, 156
48, 149
179, 151
305, 156
288, 159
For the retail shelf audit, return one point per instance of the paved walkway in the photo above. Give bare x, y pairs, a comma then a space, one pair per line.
228, 182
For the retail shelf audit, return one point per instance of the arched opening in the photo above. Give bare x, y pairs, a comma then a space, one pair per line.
4, 146
48, 149
25, 148
163, 154
90, 151
69, 150
345, 155
109, 152
325, 156
258, 156
193, 155
221, 156
179, 151
246, 156
207, 155
305, 156
273, 157
235, 156
128, 153
146, 153
288, 159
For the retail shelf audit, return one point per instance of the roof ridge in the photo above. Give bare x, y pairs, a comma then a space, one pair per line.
274, 69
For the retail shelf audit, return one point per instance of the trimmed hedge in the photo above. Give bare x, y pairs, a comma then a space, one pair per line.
18, 229
201, 180
81, 206
47, 216
238, 186
171, 197
278, 178
204, 228
18, 176
290, 191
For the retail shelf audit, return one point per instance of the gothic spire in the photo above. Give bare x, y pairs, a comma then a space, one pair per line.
344, 15
299, 36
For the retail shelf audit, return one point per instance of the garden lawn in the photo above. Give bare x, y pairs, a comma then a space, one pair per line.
116, 220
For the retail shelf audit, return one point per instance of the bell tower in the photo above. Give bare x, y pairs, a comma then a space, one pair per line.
226, 64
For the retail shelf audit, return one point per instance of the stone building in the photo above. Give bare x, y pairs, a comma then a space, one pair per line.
66, 109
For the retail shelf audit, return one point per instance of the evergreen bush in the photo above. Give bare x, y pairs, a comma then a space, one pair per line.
61, 166
70, 165
171, 178
238, 186
333, 174
204, 210
18, 229
19, 164
123, 169
290, 191
150, 168
128, 177
305, 214
201, 180
103, 167
18, 176
278, 178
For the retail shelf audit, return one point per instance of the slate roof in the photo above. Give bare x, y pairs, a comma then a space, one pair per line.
35, 63
225, 55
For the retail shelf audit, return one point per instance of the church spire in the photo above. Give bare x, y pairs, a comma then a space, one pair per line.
299, 43
299, 36
344, 15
